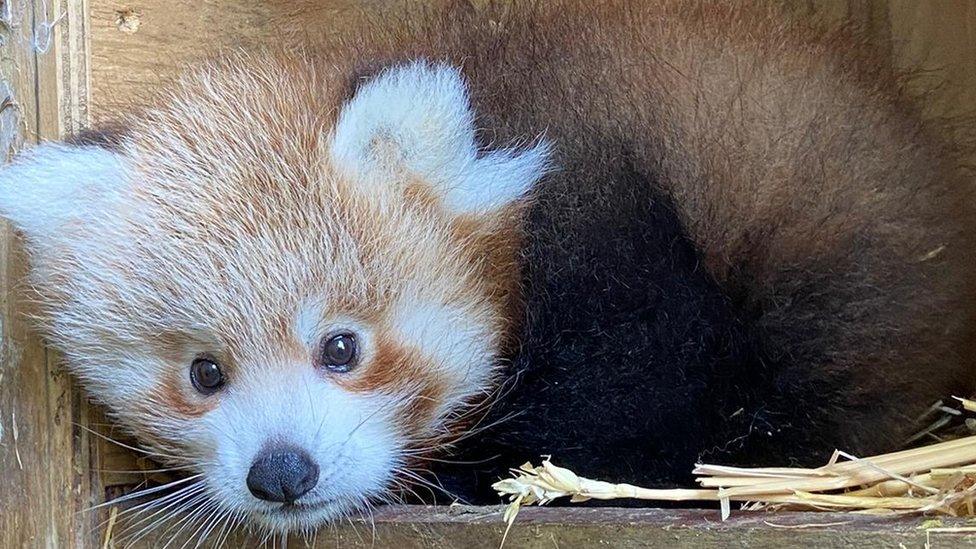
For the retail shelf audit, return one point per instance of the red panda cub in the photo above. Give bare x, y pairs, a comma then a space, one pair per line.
630, 235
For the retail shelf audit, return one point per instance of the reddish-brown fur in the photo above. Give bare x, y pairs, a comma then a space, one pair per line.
172, 393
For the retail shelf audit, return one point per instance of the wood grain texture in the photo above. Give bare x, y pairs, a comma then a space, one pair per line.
25, 418
136, 45
105, 55
44, 455
461, 527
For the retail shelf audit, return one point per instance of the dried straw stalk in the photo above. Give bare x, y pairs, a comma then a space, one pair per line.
938, 479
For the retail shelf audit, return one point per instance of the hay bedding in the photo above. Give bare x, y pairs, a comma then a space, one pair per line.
937, 478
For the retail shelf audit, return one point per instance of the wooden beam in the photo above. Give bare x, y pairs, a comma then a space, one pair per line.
462, 527
44, 457
135, 45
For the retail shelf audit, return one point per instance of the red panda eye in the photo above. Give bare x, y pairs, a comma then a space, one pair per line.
206, 376
339, 352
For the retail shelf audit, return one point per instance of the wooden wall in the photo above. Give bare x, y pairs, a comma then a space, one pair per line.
65, 63
45, 470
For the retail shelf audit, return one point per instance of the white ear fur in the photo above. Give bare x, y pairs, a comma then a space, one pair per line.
53, 184
417, 118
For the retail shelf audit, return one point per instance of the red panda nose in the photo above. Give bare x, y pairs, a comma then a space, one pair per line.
282, 474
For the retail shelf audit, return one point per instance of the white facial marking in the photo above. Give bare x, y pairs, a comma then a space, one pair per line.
460, 345
348, 436
309, 322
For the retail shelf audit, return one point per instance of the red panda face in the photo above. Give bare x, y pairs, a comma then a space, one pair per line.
291, 304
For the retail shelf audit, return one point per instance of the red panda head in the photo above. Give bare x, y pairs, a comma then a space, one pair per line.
288, 292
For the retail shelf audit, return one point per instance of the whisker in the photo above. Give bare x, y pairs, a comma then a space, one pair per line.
132, 539
169, 511
141, 471
355, 530
205, 527
129, 446
451, 461
180, 494
401, 485
372, 520
447, 442
424, 482
478, 428
141, 493
225, 531
361, 423
267, 535
188, 521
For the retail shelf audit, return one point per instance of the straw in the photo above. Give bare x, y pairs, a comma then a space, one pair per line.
935, 479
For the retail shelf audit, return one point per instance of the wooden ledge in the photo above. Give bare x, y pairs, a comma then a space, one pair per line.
463, 527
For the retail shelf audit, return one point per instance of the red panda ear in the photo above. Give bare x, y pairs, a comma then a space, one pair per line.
53, 185
416, 120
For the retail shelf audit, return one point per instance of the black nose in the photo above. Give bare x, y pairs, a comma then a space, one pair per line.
282, 474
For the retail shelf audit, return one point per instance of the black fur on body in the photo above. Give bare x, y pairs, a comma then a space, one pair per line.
633, 363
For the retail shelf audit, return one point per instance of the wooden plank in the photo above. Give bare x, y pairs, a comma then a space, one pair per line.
136, 45
462, 527
134, 48
67, 89
43, 457
25, 519
62, 51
